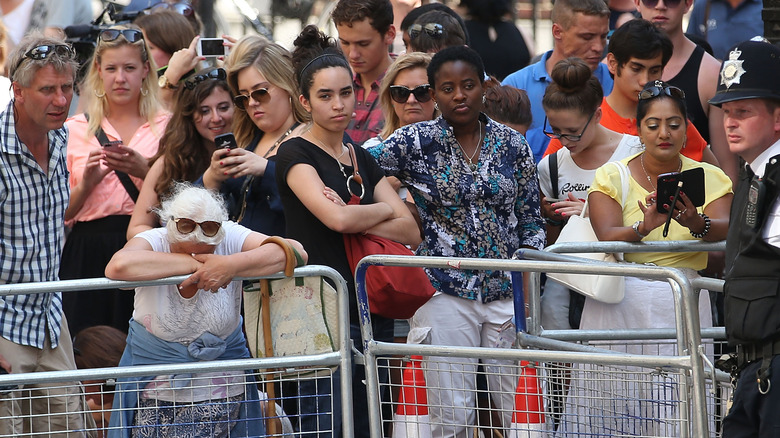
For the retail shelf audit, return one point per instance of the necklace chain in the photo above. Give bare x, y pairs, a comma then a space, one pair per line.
280, 140
325, 148
470, 159
647, 175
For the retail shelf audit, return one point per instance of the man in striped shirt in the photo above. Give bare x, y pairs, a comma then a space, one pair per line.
34, 194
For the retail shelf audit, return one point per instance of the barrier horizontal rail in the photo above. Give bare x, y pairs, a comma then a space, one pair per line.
690, 363
270, 367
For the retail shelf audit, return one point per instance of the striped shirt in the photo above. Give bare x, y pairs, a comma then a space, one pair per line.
32, 213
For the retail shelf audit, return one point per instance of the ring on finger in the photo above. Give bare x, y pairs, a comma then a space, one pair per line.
683, 212
679, 215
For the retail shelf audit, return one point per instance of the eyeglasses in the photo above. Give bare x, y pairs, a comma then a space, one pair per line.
260, 95
131, 35
658, 89
668, 3
570, 137
433, 30
180, 8
42, 52
186, 226
400, 93
217, 74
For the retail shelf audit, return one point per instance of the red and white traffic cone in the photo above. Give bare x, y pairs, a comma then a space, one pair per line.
411, 420
528, 417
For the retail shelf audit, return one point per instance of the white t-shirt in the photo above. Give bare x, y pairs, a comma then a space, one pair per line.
17, 21
173, 318
572, 178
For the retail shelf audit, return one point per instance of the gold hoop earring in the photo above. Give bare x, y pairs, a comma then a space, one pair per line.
100, 95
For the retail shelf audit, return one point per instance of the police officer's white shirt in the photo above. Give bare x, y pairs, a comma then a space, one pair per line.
772, 228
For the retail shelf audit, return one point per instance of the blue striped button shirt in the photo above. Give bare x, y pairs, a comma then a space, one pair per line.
32, 213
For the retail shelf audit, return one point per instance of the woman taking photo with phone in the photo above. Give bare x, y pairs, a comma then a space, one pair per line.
475, 186
261, 77
124, 113
661, 120
315, 182
204, 110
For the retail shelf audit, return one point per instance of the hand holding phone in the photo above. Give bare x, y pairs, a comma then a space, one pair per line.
226, 141
210, 47
113, 146
693, 187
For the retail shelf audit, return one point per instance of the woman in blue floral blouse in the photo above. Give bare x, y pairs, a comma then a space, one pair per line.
474, 183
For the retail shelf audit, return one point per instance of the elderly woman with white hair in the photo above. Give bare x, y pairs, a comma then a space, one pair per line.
196, 320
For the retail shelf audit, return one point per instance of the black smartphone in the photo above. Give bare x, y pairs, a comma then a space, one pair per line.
226, 141
113, 146
693, 187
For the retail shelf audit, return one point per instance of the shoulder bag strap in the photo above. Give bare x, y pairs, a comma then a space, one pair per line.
124, 178
552, 161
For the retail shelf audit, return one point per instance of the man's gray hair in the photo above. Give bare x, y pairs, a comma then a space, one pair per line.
22, 71
196, 203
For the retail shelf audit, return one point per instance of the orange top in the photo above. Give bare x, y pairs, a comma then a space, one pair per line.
109, 197
694, 145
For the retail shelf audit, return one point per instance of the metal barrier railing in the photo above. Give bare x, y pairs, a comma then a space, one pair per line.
267, 369
689, 362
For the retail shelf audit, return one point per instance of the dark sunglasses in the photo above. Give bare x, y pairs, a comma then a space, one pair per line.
570, 137
186, 226
260, 95
658, 89
400, 93
42, 52
180, 8
668, 3
131, 35
218, 74
434, 30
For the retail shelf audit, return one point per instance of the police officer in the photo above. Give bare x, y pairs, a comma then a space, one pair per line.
749, 94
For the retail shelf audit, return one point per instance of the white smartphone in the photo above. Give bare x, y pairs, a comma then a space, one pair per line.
211, 47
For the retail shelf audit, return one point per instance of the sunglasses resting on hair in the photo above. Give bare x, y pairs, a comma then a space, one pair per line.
131, 35
659, 89
434, 30
218, 74
42, 52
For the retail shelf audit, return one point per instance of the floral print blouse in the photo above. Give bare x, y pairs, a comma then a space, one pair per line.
487, 213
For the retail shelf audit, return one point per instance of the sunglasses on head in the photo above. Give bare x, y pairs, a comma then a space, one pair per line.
667, 3
186, 226
180, 8
400, 93
131, 35
658, 89
42, 52
217, 74
260, 95
434, 30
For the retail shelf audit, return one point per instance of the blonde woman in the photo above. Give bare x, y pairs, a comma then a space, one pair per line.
261, 77
104, 180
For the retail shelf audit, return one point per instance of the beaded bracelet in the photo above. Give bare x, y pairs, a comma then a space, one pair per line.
553, 222
707, 224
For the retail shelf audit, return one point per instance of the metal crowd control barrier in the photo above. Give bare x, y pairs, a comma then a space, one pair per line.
683, 376
95, 387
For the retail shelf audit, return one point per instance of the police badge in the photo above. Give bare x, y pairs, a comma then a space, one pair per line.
732, 69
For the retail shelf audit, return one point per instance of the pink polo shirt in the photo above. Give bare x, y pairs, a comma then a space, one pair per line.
109, 197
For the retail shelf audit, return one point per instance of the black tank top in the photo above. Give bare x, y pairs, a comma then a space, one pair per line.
688, 80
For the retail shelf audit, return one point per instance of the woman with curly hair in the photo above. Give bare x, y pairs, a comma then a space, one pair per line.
203, 111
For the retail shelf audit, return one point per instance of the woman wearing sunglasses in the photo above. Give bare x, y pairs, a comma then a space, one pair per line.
203, 111
262, 79
404, 94
197, 320
661, 122
315, 178
108, 152
475, 186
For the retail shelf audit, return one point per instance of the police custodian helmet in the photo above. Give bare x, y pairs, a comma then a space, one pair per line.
751, 71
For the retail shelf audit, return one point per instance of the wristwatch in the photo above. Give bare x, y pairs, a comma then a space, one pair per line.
636, 229
163, 82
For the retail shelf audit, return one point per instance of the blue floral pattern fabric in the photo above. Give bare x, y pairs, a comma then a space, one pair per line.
487, 213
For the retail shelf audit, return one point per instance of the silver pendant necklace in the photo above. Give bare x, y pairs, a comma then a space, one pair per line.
338, 159
470, 159
647, 175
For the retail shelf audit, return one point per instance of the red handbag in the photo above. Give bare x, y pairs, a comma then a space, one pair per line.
393, 291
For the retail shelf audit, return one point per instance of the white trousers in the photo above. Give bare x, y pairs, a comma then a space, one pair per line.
451, 381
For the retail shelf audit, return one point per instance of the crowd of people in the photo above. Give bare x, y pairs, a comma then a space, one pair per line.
466, 147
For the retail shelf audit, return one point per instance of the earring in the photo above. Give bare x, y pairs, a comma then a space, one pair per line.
484, 99
144, 91
100, 95
436, 106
